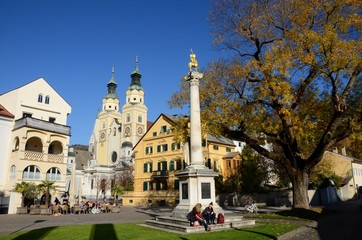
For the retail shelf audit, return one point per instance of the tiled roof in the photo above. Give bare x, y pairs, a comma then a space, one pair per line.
5, 113
219, 139
231, 155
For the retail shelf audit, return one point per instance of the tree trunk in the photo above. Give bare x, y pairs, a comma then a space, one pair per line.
300, 189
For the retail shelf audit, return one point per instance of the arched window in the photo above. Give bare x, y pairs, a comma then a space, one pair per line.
16, 144
40, 98
53, 174
128, 118
47, 99
55, 148
31, 172
114, 157
12, 172
140, 118
34, 144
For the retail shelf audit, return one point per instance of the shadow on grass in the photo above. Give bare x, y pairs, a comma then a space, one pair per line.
103, 231
35, 234
255, 232
307, 214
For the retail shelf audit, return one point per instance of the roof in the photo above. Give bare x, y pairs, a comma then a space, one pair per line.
172, 118
220, 139
4, 112
38, 79
231, 155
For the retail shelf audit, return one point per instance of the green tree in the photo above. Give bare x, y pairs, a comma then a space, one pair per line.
253, 171
46, 186
290, 82
27, 190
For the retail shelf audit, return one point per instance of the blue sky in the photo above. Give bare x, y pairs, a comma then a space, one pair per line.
74, 44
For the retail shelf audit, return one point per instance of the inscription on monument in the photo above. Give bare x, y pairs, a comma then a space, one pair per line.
205, 190
185, 191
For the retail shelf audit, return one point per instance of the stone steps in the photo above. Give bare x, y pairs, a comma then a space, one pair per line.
181, 225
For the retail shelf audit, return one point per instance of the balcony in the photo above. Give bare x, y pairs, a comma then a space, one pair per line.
160, 174
42, 125
39, 156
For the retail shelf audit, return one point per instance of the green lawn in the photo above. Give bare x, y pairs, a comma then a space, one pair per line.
134, 231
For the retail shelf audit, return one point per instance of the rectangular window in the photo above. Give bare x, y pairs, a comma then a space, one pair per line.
51, 120
172, 165
27, 115
149, 150
147, 186
162, 166
228, 149
216, 147
154, 134
161, 185
203, 143
147, 167
178, 165
175, 146
163, 129
164, 147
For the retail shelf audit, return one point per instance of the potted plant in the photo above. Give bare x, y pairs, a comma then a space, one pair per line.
27, 190
45, 187
117, 190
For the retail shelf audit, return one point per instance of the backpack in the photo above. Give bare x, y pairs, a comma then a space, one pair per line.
220, 218
189, 216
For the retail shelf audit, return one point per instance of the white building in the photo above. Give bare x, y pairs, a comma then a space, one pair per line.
6, 125
114, 134
38, 143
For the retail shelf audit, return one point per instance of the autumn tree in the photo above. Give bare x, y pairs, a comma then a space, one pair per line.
289, 79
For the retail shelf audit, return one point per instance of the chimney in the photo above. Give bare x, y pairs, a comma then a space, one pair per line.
335, 150
343, 151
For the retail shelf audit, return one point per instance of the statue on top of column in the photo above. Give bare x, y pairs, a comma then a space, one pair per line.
193, 65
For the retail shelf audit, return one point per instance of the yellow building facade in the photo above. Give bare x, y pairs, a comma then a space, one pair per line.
157, 158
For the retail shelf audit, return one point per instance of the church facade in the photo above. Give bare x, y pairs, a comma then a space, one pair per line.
116, 130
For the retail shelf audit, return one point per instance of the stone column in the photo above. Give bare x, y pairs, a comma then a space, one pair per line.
197, 184
196, 157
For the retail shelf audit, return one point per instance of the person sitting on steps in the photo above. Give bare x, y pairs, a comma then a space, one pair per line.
209, 214
196, 216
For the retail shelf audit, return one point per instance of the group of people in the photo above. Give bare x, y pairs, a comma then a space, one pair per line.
204, 218
82, 206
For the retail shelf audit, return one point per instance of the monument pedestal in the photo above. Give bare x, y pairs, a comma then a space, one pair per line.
196, 185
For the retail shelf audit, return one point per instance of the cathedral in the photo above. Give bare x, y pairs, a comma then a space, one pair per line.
114, 134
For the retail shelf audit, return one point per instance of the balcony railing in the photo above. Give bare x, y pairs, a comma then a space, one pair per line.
39, 156
160, 174
42, 125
